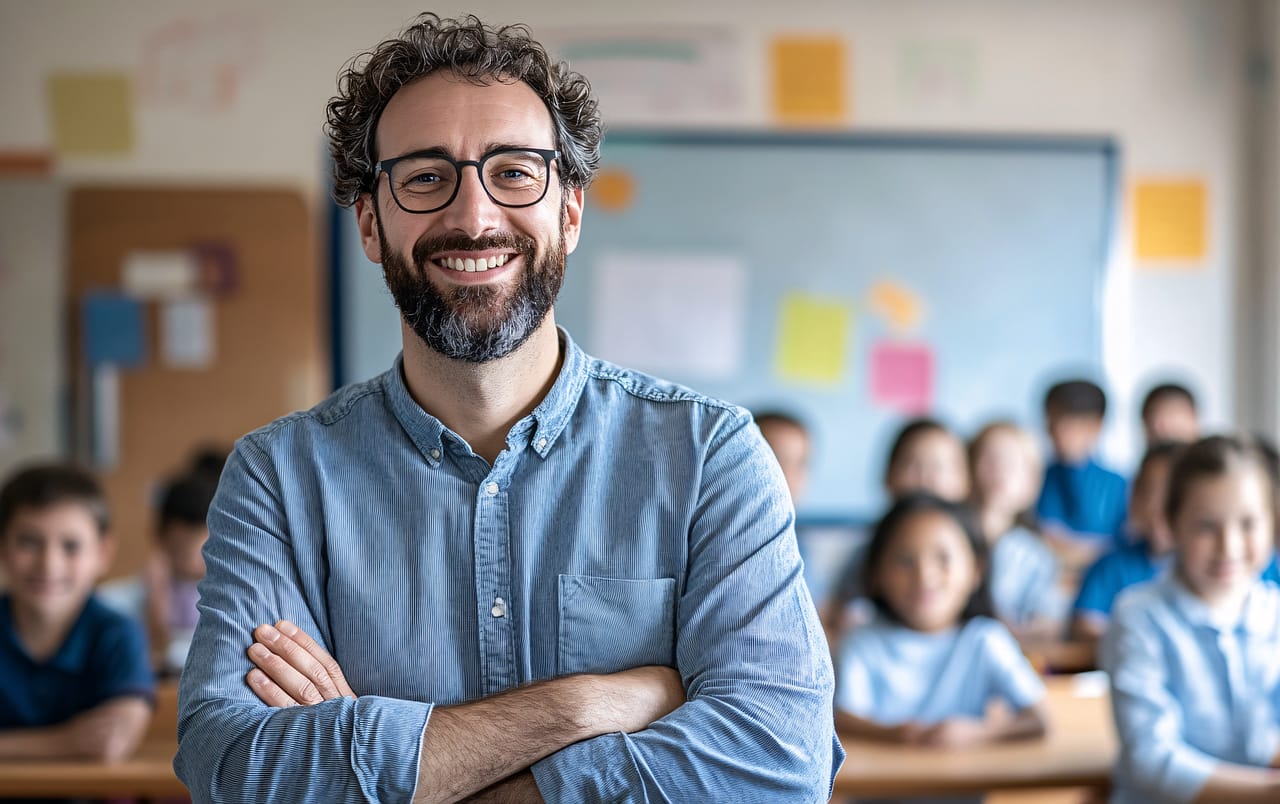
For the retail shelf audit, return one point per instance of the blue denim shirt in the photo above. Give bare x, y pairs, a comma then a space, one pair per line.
628, 522
1189, 692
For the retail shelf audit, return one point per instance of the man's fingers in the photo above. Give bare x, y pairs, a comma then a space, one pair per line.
299, 659
295, 685
267, 690
317, 652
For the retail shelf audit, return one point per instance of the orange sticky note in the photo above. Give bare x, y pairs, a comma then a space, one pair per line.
809, 79
898, 305
613, 190
1170, 220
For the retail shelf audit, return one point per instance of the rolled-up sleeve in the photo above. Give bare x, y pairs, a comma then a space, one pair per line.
231, 746
758, 724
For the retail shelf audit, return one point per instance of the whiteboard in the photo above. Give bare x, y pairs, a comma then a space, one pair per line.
1003, 241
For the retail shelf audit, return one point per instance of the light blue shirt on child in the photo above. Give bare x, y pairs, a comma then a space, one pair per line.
1024, 579
892, 674
1190, 690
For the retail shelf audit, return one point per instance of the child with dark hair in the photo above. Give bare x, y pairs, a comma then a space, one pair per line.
1083, 506
76, 682
789, 439
1169, 414
927, 668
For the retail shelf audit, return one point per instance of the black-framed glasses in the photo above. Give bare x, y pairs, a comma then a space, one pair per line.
428, 181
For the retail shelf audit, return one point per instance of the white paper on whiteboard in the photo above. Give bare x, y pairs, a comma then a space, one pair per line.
674, 315
186, 333
160, 274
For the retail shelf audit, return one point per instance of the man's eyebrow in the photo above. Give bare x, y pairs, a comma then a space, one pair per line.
436, 150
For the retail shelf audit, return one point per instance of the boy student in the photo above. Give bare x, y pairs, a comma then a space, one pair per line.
1082, 507
789, 439
1169, 415
76, 680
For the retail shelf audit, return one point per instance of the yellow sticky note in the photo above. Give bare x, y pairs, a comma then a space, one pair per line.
813, 335
898, 305
612, 190
809, 79
1170, 220
92, 113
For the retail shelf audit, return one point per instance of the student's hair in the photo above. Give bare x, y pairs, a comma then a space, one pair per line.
1213, 457
1076, 398
208, 461
1164, 392
913, 504
773, 416
186, 498
475, 52
910, 432
42, 486
1272, 456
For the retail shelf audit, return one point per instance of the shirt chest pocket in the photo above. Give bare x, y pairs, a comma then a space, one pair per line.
612, 624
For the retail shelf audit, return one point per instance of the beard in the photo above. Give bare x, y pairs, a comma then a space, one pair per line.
474, 323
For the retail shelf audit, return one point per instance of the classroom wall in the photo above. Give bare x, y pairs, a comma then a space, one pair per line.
1164, 77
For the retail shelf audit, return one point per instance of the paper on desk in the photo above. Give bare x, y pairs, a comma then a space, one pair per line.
678, 315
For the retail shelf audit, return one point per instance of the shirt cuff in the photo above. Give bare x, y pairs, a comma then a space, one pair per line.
599, 769
386, 746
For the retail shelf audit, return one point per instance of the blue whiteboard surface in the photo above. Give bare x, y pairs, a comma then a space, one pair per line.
1004, 241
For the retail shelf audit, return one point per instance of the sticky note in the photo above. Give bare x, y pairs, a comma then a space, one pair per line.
1170, 220
813, 336
113, 330
898, 305
92, 113
809, 79
613, 190
902, 376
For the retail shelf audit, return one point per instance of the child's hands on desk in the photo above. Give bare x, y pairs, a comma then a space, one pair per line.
955, 733
292, 668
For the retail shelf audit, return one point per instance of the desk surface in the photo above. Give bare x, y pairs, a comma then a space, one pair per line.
1078, 751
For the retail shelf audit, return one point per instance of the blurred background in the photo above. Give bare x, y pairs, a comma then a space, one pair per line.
857, 211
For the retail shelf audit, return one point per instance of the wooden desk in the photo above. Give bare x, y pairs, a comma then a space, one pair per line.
148, 774
1078, 751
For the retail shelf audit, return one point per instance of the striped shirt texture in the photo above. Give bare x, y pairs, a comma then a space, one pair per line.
628, 522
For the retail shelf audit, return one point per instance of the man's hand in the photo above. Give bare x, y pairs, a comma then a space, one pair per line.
292, 668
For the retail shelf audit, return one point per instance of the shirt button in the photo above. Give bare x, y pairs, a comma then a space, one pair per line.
542, 443
491, 489
435, 454
499, 607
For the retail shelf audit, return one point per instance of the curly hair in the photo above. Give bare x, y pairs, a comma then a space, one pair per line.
475, 52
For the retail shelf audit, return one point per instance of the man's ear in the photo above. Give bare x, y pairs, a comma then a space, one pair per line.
367, 221
573, 201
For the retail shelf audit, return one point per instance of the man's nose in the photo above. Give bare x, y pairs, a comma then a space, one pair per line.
472, 212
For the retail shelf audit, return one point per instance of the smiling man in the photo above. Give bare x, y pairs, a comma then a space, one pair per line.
503, 570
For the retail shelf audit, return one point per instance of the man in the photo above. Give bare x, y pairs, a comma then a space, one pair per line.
547, 577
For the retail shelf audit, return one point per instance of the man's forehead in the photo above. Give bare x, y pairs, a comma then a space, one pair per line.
443, 111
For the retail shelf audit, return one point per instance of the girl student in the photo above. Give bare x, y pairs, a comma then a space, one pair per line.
1025, 577
926, 669
1194, 656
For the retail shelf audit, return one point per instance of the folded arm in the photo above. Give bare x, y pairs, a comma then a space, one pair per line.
109, 732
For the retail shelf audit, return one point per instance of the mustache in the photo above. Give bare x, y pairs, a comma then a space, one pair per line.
457, 241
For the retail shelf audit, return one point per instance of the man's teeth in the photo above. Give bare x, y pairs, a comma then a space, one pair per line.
473, 266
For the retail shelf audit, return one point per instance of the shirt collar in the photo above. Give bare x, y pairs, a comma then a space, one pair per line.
540, 428
71, 656
1257, 615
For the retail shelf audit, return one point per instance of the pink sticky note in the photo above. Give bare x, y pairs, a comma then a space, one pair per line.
902, 377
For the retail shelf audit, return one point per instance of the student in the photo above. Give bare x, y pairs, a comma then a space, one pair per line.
1025, 577
789, 439
1147, 554
1082, 505
925, 456
76, 682
1194, 657
1169, 414
176, 566
927, 668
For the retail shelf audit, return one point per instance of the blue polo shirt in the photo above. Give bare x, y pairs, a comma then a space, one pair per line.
1086, 499
1116, 571
103, 657
1272, 572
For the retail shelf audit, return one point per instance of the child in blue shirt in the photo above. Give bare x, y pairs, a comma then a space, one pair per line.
1082, 505
926, 669
76, 678
1146, 555
1194, 656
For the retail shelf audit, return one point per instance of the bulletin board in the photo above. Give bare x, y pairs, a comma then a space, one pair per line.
851, 279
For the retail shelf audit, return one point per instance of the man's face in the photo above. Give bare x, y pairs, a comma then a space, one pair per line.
470, 315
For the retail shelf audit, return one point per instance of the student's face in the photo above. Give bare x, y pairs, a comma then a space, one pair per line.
928, 572
933, 461
52, 557
1223, 533
790, 445
1146, 507
1074, 436
1004, 473
182, 544
480, 315
1172, 419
